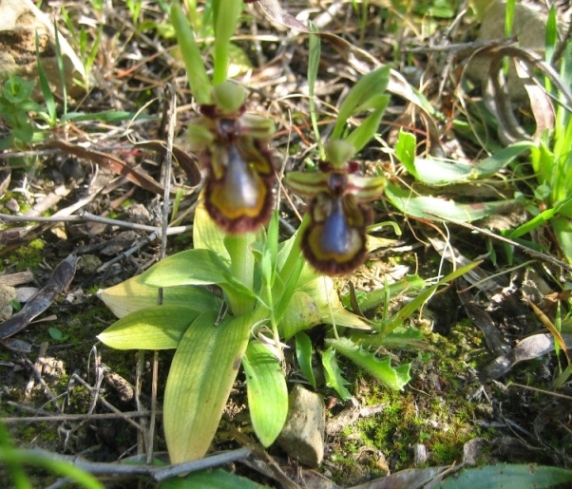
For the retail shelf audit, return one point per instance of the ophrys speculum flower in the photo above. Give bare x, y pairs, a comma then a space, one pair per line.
233, 148
334, 242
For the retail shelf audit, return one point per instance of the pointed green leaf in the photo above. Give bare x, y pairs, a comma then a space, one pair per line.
367, 88
434, 208
362, 135
304, 356
204, 368
154, 328
192, 267
334, 378
393, 377
132, 295
267, 392
405, 149
433, 171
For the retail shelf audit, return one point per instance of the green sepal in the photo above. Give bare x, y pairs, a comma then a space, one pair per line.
198, 79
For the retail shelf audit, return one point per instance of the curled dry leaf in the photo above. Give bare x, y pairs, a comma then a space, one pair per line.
59, 281
529, 348
186, 162
110, 163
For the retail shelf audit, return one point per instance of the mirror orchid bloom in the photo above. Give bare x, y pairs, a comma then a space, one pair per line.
335, 240
233, 148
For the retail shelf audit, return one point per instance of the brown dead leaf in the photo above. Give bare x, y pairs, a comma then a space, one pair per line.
186, 162
59, 281
110, 163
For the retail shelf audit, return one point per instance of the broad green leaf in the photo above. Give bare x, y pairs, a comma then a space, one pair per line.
191, 267
267, 392
437, 172
207, 479
393, 377
334, 378
207, 235
411, 283
301, 313
203, 370
509, 476
154, 328
323, 292
198, 79
437, 209
132, 295
563, 230
304, 356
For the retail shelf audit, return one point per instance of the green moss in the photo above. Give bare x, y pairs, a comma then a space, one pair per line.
27, 257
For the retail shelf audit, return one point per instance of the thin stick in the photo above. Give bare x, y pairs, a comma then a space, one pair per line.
86, 216
530, 251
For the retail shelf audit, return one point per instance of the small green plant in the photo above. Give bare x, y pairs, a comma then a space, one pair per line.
274, 291
15, 105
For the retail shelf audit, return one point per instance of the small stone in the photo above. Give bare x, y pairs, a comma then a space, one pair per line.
12, 205
303, 435
420, 455
89, 264
7, 295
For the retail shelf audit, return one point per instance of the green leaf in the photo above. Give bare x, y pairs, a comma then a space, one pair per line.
191, 267
437, 209
360, 136
301, 313
420, 299
509, 476
203, 370
360, 97
153, 328
215, 479
393, 377
267, 392
304, 356
207, 235
433, 171
323, 292
333, 373
198, 79
405, 151
132, 295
